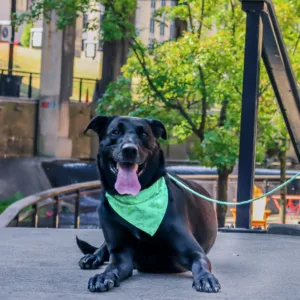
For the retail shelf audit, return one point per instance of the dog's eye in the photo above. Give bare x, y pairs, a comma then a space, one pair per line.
144, 134
116, 132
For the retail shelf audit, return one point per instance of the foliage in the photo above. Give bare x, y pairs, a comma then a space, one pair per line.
193, 83
25, 39
272, 133
67, 11
7, 202
197, 79
116, 24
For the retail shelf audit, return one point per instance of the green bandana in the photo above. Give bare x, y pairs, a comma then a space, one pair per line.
144, 211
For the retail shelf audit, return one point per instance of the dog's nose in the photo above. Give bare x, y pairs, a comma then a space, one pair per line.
129, 150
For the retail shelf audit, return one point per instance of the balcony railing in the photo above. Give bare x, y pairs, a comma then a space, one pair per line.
83, 88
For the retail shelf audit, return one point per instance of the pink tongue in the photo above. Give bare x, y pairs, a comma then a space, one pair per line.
127, 180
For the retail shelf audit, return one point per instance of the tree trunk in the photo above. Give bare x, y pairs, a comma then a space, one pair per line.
282, 159
114, 57
179, 25
222, 195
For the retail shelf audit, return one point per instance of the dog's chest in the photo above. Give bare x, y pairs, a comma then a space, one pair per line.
143, 238
139, 234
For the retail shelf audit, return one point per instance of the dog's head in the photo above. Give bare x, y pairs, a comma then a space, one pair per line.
129, 155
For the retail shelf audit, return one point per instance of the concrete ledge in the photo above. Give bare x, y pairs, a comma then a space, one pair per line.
284, 229
241, 230
18, 100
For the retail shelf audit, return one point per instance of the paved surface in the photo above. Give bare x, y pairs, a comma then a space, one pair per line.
39, 264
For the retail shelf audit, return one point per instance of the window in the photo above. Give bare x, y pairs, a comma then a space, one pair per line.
150, 44
172, 33
100, 45
28, 4
152, 25
138, 16
85, 21
163, 3
153, 3
101, 18
162, 28
173, 2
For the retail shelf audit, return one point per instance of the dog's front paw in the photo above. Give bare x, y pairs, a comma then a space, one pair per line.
103, 282
207, 283
90, 261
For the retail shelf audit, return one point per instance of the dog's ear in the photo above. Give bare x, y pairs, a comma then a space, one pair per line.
99, 125
158, 128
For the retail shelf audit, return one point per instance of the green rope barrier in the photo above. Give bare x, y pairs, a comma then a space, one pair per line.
232, 203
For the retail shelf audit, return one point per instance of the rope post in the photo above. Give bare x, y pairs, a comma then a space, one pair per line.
55, 212
87, 96
30, 86
17, 218
77, 210
80, 89
35, 217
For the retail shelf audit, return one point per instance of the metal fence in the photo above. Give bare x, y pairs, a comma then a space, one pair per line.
32, 211
28, 85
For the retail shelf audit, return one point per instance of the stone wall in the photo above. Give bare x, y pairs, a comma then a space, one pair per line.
80, 116
18, 130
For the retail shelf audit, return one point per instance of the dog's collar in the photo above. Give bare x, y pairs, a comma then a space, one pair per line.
144, 211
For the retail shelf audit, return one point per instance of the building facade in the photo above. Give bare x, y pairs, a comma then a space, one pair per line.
148, 30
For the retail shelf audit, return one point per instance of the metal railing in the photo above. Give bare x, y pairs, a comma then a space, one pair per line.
82, 91
30, 207
28, 82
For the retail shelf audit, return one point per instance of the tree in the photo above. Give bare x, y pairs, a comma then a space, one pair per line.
115, 31
193, 83
276, 143
195, 79
272, 133
117, 27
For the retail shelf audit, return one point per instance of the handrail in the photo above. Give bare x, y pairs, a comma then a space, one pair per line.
13, 210
57, 194
36, 73
83, 81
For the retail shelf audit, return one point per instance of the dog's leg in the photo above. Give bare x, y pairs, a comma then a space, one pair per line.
96, 259
192, 256
119, 268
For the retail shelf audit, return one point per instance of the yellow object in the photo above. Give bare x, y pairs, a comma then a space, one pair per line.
259, 213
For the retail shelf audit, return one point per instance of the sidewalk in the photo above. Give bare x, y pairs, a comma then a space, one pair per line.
42, 264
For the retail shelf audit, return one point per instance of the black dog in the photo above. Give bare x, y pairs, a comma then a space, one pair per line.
187, 232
